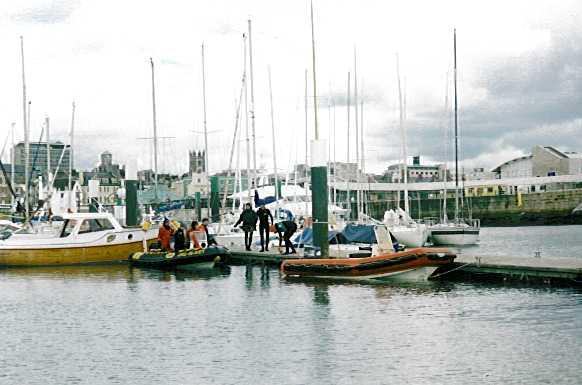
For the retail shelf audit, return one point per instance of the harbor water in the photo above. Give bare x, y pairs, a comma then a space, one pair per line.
247, 325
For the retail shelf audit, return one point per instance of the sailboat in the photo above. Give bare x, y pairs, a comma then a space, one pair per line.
461, 231
406, 230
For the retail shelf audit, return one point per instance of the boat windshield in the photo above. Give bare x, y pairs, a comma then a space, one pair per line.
68, 227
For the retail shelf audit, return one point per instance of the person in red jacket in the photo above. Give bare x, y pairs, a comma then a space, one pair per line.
165, 234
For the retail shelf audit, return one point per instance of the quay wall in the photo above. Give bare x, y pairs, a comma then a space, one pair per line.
543, 208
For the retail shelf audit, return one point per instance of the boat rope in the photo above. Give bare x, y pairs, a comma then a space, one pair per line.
450, 271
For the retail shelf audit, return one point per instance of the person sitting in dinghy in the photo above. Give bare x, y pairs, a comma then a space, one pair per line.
191, 235
165, 235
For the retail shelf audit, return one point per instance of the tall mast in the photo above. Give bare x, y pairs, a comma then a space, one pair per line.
248, 147
155, 132
362, 158
48, 149
306, 126
306, 183
12, 159
334, 158
204, 115
273, 133
71, 155
26, 139
348, 154
358, 202
403, 136
48, 156
252, 110
456, 134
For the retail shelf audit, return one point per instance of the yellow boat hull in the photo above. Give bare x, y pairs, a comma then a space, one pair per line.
69, 255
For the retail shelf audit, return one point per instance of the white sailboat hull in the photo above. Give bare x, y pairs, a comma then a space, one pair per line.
455, 235
410, 236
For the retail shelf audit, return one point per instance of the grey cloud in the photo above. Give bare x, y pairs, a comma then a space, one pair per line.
530, 99
55, 11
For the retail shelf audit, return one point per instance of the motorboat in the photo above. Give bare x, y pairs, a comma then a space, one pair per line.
385, 263
83, 238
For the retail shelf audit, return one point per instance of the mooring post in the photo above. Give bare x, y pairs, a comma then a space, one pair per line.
319, 205
131, 215
198, 205
214, 199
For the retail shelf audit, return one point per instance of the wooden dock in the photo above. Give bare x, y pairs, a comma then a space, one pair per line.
272, 257
545, 270
466, 268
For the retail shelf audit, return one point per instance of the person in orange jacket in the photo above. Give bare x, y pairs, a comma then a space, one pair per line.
165, 234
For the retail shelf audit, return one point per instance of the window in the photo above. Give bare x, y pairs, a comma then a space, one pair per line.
68, 227
93, 225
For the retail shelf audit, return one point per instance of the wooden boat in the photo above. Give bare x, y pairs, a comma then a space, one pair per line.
385, 263
184, 259
84, 238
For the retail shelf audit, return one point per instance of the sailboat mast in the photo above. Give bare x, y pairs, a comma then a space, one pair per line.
403, 136
456, 130
306, 124
12, 159
71, 156
252, 110
48, 150
274, 139
155, 132
348, 154
362, 159
358, 201
204, 117
26, 139
334, 159
248, 143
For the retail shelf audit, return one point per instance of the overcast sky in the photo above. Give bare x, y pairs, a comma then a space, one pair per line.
520, 75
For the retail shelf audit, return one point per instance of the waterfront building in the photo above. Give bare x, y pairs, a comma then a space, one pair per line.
417, 172
543, 161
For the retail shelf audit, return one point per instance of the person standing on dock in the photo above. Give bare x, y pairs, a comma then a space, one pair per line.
286, 229
264, 214
248, 218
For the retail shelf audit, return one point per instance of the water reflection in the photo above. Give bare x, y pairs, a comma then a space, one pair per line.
180, 275
87, 272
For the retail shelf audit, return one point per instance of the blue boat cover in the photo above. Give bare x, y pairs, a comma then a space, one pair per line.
359, 234
306, 237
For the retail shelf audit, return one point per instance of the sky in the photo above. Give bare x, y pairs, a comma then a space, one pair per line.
519, 77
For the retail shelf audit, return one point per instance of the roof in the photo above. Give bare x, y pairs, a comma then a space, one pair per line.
555, 152
498, 168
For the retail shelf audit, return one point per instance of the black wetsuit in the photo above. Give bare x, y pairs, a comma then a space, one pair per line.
264, 214
286, 229
249, 221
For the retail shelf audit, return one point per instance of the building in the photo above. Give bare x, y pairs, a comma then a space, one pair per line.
416, 172
543, 161
198, 175
38, 152
110, 176
197, 162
